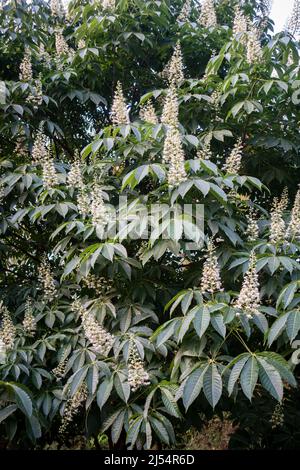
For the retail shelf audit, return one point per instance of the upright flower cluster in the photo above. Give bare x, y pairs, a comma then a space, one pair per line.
137, 375
101, 340
254, 50
249, 297
119, 112
208, 17
25, 73
293, 230
147, 113
239, 22
2, 193
174, 155
173, 72
57, 8
234, 160
50, 179
46, 280
44, 55
277, 225
81, 44
211, 278
36, 97
185, 12
60, 370
73, 407
21, 147
293, 25
252, 231
205, 153
97, 208
29, 323
60, 44
99, 284
39, 149
7, 328
108, 4
171, 108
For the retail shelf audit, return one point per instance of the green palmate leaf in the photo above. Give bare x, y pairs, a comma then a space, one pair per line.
249, 376
170, 402
277, 328
22, 399
104, 391
201, 320
133, 431
117, 427
193, 386
7, 411
212, 385
236, 371
270, 379
293, 324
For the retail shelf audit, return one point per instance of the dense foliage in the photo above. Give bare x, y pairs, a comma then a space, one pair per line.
160, 102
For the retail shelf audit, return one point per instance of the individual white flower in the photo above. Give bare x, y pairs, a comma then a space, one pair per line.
25, 74
234, 160
211, 278
147, 113
293, 230
46, 280
254, 49
185, 12
171, 108
173, 72
137, 375
119, 112
208, 17
249, 297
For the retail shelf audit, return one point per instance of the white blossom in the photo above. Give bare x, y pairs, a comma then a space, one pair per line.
147, 113
293, 24
234, 160
46, 280
293, 230
171, 108
25, 73
185, 12
211, 278
119, 112
173, 72
249, 297
254, 49
208, 17
137, 375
